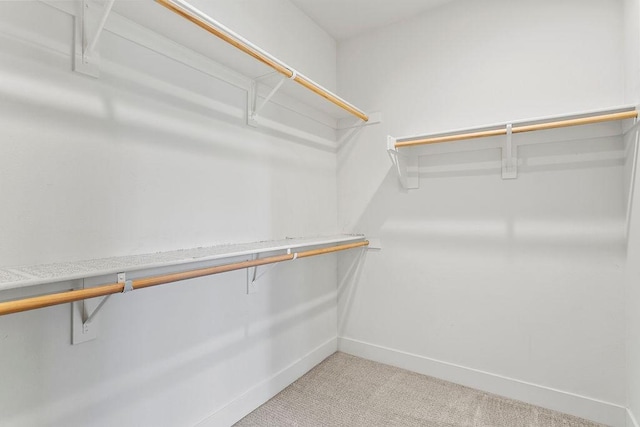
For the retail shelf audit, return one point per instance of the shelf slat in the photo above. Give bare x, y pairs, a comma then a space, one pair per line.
189, 12
48, 300
521, 126
32, 275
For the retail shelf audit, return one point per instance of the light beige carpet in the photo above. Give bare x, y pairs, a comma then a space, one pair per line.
345, 390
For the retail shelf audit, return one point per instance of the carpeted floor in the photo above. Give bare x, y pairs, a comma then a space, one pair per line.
348, 391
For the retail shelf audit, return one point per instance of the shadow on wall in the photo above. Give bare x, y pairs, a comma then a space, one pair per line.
542, 157
140, 106
519, 278
176, 365
353, 264
462, 200
142, 138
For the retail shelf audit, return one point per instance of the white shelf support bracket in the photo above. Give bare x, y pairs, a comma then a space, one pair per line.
252, 98
84, 314
253, 108
509, 156
253, 276
407, 167
88, 28
93, 314
82, 327
128, 284
276, 88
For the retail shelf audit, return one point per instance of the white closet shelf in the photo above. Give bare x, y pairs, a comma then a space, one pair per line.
31, 275
405, 151
199, 18
152, 26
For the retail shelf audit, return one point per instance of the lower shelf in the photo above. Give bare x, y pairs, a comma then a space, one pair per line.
31, 275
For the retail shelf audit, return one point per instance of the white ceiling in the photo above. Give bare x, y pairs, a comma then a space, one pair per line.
343, 19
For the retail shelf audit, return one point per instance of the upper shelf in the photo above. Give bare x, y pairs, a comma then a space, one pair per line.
31, 275
237, 54
209, 24
404, 151
521, 126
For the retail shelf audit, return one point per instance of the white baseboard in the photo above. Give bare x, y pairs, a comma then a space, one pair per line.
569, 403
631, 420
241, 406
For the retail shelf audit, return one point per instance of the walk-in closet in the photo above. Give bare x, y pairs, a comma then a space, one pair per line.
319, 213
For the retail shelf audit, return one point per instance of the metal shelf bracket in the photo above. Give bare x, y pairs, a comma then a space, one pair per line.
88, 28
253, 276
253, 107
509, 156
407, 167
84, 327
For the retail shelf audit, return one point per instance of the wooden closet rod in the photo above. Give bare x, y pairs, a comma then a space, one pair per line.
42, 301
194, 15
519, 129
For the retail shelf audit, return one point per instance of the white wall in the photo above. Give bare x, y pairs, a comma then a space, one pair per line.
632, 298
632, 46
632, 295
515, 286
153, 156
